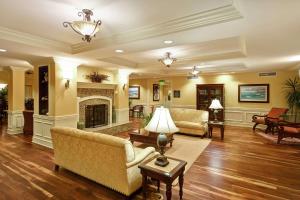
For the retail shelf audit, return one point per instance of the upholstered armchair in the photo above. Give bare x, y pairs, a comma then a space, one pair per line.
287, 129
270, 120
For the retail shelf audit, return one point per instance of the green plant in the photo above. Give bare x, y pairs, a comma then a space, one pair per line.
292, 94
80, 125
147, 119
114, 115
3, 96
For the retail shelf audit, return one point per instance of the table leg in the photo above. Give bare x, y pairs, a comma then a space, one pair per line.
181, 185
222, 132
158, 185
144, 186
169, 191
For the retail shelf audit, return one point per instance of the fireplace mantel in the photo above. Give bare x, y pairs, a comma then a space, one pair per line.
96, 85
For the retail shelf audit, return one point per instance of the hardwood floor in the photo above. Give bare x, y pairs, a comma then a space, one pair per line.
243, 166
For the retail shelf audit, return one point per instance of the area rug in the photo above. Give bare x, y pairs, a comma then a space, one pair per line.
273, 138
186, 148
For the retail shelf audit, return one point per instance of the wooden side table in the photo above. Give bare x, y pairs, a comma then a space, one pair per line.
165, 174
212, 124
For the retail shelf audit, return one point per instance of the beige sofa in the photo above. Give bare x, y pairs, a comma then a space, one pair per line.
190, 121
108, 160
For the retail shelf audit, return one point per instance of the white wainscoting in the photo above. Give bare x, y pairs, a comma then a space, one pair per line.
237, 116
15, 122
42, 125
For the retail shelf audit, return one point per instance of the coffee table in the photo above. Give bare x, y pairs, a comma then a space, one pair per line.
166, 174
148, 137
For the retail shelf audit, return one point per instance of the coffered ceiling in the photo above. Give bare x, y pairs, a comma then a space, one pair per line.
215, 35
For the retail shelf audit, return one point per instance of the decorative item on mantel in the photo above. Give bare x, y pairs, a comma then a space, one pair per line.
96, 77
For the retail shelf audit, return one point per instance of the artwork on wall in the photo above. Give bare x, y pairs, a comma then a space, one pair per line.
176, 94
256, 93
134, 92
156, 95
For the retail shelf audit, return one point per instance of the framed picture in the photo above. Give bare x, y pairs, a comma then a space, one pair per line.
256, 93
156, 95
134, 92
176, 94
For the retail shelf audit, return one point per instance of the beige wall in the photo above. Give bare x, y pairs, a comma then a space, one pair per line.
16, 90
82, 71
146, 91
62, 101
4, 76
231, 82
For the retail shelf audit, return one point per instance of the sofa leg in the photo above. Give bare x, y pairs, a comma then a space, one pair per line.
56, 167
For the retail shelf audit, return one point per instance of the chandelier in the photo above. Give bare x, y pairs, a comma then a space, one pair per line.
167, 60
87, 28
195, 71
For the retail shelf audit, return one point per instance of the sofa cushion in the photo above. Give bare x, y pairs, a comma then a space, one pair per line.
190, 115
186, 124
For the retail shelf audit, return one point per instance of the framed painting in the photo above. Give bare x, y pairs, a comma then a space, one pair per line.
254, 93
176, 94
134, 92
156, 95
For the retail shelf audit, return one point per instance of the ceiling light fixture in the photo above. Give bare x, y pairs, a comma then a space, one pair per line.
168, 41
87, 28
3, 50
195, 71
119, 51
167, 60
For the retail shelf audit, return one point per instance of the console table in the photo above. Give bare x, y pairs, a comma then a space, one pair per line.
217, 124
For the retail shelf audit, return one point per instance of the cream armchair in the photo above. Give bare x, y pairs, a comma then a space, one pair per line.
108, 160
190, 121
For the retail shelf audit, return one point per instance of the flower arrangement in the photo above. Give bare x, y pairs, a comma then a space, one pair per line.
96, 77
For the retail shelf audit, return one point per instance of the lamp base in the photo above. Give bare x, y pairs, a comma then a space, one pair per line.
162, 161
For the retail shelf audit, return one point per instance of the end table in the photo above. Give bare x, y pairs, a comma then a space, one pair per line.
217, 124
165, 174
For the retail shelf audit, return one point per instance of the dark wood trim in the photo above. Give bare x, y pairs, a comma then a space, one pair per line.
268, 93
139, 94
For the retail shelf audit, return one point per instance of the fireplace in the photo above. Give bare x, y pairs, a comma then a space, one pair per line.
96, 115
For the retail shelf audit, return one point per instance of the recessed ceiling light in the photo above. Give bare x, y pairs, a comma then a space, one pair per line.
168, 41
119, 51
3, 50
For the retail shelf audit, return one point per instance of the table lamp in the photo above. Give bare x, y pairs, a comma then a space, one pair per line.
161, 123
215, 106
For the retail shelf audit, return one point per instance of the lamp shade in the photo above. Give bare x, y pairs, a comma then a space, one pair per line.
215, 104
161, 122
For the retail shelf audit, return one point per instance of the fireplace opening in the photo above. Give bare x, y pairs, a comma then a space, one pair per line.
96, 115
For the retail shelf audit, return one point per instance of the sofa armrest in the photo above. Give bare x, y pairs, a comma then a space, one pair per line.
141, 156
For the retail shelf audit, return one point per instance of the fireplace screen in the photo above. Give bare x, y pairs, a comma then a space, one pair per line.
96, 115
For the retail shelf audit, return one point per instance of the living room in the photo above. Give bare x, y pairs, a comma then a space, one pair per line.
123, 100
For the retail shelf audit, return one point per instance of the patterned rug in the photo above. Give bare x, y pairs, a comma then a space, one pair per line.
273, 138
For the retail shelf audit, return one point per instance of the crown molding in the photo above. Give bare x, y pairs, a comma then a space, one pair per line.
33, 40
204, 18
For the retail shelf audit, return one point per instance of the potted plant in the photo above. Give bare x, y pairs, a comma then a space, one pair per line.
29, 103
292, 94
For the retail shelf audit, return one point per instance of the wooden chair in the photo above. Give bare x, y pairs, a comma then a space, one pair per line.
270, 120
288, 129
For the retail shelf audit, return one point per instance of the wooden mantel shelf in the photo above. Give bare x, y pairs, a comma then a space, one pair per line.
96, 85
